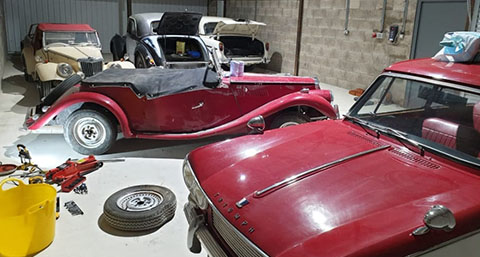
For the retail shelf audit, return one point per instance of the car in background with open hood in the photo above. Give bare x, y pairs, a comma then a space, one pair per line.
398, 176
234, 40
167, 40
52, 52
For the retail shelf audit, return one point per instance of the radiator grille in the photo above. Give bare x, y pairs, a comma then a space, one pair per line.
237, 242
91, 67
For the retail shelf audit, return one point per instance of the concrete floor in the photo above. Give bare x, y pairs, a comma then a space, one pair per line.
146, 162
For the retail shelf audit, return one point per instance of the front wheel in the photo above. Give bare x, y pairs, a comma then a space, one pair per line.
27, 76
90, 132
288, 119
140, 62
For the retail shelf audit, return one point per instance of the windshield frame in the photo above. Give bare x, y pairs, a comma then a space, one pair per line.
431, 146
44, 38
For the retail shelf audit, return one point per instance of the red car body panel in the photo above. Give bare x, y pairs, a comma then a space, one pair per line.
198, 113
468, 74
377, 195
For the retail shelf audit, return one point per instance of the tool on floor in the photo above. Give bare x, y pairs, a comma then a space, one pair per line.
73, 208
81, 189
71, 174
26, 164
57, 208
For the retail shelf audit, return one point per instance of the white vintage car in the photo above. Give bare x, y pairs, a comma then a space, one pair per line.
234, 40
52, 52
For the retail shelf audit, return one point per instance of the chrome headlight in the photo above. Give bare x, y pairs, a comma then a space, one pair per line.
38, 58
64, 70
193, 186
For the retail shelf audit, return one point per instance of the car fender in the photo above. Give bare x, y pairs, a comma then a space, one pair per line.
47, 71
123, 64
84, 97
310, 98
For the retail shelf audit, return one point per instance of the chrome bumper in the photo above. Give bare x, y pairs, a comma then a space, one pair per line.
197, 232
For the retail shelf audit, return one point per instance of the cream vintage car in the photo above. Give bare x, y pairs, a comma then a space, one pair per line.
52, 52
234, 40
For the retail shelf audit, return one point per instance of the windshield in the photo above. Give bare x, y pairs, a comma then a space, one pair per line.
209, 27
71, 38
439, 116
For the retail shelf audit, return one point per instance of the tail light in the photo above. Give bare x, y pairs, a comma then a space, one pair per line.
267, 46
220, 46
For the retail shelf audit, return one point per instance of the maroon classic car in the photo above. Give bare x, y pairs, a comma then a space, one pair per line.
398, 176
171, 104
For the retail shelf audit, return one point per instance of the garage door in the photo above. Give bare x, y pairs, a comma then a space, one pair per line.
106, 16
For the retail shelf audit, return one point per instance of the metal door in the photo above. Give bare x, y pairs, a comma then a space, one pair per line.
433, 19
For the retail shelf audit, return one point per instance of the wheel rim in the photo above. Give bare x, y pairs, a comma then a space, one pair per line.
89, 132
139, 201
140, 63
288, 124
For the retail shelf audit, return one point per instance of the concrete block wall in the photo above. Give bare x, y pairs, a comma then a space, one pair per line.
281, 30
350, 61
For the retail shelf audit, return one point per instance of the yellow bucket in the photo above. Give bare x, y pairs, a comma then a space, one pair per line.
27, 218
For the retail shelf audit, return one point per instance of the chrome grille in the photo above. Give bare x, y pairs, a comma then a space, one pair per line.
235, 240
91, 67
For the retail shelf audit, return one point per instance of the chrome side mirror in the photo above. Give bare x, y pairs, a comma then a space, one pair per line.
438, 217
256, 124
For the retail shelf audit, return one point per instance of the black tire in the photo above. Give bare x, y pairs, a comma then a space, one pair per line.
44, 88
117, 47
288, 119
140, 62
90, 131
27, 76
60, 89
140, 208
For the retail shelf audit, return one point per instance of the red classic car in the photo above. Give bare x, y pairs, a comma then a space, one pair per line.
398, 176
170, 104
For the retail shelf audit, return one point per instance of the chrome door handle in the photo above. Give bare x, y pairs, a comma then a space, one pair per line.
200, 105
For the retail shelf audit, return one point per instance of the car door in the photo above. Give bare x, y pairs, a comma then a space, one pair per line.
131, 39
189, 111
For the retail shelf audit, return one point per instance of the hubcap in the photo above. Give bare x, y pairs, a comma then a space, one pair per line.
289, 123
89, 132
139, 201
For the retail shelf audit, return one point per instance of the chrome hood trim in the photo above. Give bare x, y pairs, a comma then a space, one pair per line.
304, 174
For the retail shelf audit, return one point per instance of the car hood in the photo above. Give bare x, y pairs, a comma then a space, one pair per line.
76, 52
179, 23
249, 28
365, 205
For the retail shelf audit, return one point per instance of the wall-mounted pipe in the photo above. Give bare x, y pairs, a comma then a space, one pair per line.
299, 37
384, 12
256, 6
404, 19
347, 16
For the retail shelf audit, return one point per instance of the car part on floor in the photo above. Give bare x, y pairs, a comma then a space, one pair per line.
71, 174
73, 208
27, 218
140, 208
7, 169
81, 189
26, 164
